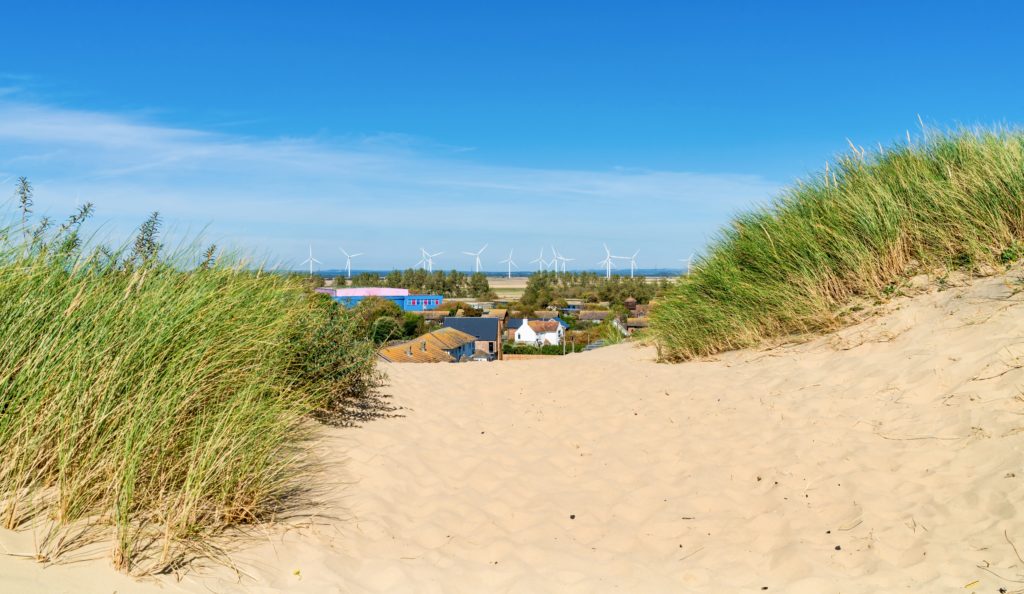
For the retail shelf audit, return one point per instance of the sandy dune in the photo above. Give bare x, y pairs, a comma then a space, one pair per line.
886, 458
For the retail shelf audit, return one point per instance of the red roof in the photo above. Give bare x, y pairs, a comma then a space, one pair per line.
544, 326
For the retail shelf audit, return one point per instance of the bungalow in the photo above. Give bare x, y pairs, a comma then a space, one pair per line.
436, 316
593, 316
485, 331
572, 306
634, 324
500, 313
445, 345
540, 332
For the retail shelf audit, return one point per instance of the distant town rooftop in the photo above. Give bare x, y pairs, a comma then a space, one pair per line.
481, 328
432, 347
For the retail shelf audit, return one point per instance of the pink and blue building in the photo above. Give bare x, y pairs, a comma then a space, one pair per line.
350, 297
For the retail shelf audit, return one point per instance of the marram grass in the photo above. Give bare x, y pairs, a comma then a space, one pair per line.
953, 199
150, 405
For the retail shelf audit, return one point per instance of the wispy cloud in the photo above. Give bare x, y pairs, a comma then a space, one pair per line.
385, 195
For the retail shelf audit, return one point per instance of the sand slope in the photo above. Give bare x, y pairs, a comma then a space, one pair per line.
898, 441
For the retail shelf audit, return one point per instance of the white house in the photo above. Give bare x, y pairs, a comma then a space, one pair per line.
540, 332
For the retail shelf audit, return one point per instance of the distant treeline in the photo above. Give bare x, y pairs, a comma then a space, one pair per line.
549, 288
417, 280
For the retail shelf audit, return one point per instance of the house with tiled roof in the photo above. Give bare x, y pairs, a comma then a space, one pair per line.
433, 315
540, 332
593, 315
445, 345
634, 324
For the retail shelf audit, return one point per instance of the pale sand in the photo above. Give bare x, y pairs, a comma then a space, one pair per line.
898, 440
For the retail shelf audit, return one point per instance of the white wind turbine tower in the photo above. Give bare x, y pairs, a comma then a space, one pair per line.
607, 262
310, 260
564, 260
553, 263
476, 254
348, 261
632, 263
560, 258
428, 259
510, 263
687, 260
540, 262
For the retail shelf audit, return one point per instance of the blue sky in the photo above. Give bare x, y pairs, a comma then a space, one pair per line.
382, 127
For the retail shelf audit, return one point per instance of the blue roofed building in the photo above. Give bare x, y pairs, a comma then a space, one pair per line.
350, 297
486, 331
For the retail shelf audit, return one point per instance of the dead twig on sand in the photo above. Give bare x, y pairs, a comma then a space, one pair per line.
986, 565
1005, 579
978, 378
1015, 551
842, 343
891, 438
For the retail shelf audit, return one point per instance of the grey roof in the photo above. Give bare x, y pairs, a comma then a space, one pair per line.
481, 328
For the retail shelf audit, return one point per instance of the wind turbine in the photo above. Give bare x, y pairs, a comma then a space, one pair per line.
632, 263
560, 258
510, 263
607, 262
310, 260
540, 262
476, 254
428, 259
687, 260
564, 260
348, 261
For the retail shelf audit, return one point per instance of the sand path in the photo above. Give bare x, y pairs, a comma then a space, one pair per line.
886, 458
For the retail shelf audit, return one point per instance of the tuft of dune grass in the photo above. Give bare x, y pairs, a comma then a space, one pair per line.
952, 199
153, 404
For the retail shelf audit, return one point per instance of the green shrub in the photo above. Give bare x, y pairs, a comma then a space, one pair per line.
953, 199
510, 348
